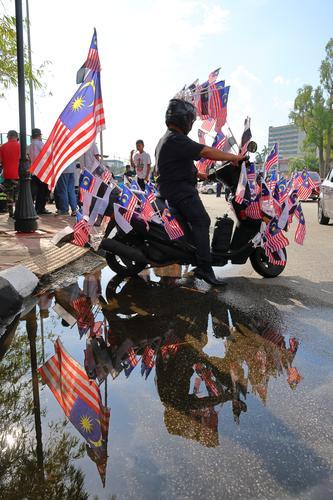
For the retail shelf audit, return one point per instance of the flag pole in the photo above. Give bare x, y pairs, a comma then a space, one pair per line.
101, 144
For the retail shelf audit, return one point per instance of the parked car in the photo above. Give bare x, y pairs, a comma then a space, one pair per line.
325, 201
209, 188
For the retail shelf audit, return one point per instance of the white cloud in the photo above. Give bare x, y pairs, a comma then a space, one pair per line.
281, 80
282, 105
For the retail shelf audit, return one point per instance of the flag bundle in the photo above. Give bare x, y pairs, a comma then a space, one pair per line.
76, 128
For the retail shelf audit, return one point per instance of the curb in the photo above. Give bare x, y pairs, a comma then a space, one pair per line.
16, 284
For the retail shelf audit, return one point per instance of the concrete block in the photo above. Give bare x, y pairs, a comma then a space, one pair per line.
21, 279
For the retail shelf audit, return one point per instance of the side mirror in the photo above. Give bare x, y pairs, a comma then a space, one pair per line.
252, 147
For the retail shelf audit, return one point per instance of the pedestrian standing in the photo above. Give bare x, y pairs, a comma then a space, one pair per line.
10, 158
39, 189
141, 162
64, 193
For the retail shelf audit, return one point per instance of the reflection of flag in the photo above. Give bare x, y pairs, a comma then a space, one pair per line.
171, 225
130, 362
147, 361
73, 133
92, 62
85, 317
273, 157
78, 396
206, 376
301, 228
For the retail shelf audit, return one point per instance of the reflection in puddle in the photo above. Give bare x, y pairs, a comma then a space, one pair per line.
144, 328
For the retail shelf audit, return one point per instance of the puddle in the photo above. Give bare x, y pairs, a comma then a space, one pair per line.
197, 410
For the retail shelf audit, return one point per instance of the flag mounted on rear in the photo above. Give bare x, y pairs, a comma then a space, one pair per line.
76, 128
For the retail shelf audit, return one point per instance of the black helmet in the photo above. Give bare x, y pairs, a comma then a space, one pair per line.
180, 113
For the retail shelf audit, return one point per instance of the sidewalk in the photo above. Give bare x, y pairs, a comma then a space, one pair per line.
18, 247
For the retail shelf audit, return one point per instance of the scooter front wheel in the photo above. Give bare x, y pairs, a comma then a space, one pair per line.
262, 266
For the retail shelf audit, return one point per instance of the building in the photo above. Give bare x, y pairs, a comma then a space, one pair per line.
290, 140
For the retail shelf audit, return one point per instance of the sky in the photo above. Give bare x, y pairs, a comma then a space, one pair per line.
150, 49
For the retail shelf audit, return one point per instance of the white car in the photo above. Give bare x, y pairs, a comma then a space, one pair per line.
208, 188
325, 202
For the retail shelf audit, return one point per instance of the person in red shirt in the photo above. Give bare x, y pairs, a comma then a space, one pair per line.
9, 158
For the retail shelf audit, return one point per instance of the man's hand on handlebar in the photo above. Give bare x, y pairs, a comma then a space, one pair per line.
217, 155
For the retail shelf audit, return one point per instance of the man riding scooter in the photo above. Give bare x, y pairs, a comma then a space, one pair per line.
178, 175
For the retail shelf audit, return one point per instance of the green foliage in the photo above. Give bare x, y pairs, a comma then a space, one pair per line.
261, 156
308, 161
313, 112
8, 60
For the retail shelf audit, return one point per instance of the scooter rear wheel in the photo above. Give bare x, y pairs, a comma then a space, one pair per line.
262, 266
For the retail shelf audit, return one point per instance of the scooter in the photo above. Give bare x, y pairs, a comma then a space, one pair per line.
128, 254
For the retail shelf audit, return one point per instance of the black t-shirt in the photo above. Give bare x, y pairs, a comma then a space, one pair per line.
175, 153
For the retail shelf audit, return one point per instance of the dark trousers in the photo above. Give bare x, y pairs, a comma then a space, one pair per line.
40, 193
194, 212
218, 189
141, 183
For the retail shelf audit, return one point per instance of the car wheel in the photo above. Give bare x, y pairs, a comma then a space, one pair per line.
210, 191
322, 219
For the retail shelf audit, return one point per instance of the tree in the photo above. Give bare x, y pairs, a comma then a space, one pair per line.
308, 161
326, 79
260, 157
311, 116
8, 62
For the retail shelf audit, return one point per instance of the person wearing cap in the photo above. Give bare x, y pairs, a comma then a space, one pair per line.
9, 158
40, 190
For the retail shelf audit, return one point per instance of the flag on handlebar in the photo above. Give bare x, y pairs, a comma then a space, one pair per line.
274, 236
202, 137
129, 201
301, 229
247, 135
171, 225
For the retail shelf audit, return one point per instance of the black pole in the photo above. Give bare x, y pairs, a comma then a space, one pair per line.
31, 87
25, 214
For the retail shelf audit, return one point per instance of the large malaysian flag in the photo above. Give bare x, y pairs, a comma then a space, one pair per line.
74, 131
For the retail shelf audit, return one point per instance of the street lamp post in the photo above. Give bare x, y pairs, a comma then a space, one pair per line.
31, 87
25, 214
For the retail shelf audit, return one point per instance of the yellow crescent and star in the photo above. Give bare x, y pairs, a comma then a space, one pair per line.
87, 426
79, 101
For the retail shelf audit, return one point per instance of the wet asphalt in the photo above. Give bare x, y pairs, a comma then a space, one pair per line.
260, 425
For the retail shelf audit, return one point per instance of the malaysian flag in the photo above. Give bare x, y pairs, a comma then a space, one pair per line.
107, 176
206, 376
305, 185
213, 75
271, 180
253, 210
147, 212
150, 192
247, 135
203, 100
147, 361
73, 133
129, 201
73, 390
207, 124
242, 184
218, 101
81, 232
219, 143
202, 137
301, 228
81, 402
273, 157
171, 225
130, 362
274, 236
92, 62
